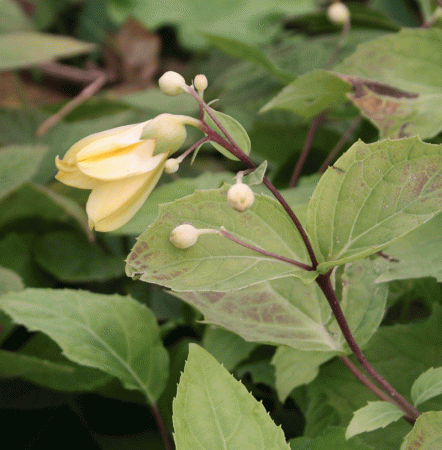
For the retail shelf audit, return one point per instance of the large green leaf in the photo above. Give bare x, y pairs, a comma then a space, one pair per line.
31, 200
215, 263
372, 196
112, 333
27, 48
246, 52
169, 192
311, 94
427, 386
18, 163
418, 255
400, 90
71, 258
426, 433
363, 303
213, 410
373, 416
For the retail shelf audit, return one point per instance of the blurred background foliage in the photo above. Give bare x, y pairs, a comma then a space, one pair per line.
50, 51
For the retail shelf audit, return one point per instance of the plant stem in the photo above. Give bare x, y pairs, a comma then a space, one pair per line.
339, 45
226, 234
160, 424
316, 123
339, 145
324, 283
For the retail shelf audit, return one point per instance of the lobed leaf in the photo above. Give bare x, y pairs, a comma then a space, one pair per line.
372, 196
112, 333
213, 410
215, 263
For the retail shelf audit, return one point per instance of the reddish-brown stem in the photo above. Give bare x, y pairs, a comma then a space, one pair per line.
324, 283
339, 145
160, 424
316, 123
226, 234
339, 45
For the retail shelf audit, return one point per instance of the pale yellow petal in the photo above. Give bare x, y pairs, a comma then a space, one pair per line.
112, 204
125, 162
107, 141
77, 179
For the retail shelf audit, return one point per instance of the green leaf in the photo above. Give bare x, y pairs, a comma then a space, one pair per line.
112, 333
427, 386
13, 18
426, 433
10, 281
18, 163
399, 91
255, 177
417, 255
215, 262
213, 410
310, 94
332, 438
372, 196
235, 130
280, 312
27, 48
295, 367
373, 416
169, 192
31, 200
228, 348
363, 304
247, 52
71, 258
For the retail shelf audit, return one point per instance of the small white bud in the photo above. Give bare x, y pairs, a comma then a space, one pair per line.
200, 82
171, 166
172, 83
338, 13
184, 236
240, 196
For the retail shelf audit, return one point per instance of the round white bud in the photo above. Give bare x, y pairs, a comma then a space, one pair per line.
184, 236
200, 82
171, 166
338, 13
240, 196
172, 83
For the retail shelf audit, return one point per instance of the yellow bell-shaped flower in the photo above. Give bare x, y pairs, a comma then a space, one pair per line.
121, 166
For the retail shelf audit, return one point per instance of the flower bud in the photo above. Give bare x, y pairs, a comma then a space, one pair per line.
200, 82
171, 166
172, 83
184, 236
240, 196
338, 13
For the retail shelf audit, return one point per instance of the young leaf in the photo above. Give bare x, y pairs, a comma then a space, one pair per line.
235, 130
427, 386
373, 416
310, 94
256, 176
215, 263
18, 163
27, 48
112, 333
247, 52
372, 196
426, 433
213, 410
